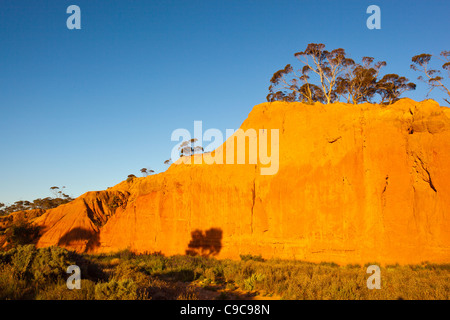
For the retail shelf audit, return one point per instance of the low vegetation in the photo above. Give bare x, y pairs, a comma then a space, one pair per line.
59, 198
20, 232
30, 273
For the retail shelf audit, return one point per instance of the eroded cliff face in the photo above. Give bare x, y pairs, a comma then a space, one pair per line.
76, 225
355, 184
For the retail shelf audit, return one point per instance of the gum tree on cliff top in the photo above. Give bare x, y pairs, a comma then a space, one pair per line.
433, 76
359, 84
330, 76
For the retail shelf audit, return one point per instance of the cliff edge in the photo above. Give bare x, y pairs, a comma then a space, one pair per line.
355, 184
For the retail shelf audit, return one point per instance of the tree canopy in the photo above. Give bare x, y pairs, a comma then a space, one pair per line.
433, 77
330, 76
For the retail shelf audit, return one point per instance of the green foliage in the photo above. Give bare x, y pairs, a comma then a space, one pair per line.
116, 290
30, 273
22, 261
59, 291
25, 269
41, 265
331, 264
247, 257
11, 286
59, 198
21, 232
215, 273
359, 83
392, 86
50, 264
6, 256
250, 282
354, 266
115, 202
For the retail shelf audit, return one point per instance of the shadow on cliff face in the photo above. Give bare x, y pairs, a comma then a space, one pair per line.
80, 235
206, 243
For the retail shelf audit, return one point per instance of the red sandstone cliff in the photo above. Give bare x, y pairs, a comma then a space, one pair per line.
356, 184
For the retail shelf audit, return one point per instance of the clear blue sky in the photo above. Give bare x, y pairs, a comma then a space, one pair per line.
85, 108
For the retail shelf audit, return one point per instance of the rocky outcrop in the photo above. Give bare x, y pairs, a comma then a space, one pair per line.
355, 184
76, 225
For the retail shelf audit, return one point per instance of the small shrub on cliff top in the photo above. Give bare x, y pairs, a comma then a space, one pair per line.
131, 177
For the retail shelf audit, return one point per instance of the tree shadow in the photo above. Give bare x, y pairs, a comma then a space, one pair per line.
80, 234
205, 244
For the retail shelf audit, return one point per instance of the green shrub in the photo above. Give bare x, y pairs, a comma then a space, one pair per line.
90, 268
126, 254
329, 264
22, 260
188, 294
125, 270
30, 273
250, 283
50, 264
130, 178
21, 232
151, 263
11, 286
247, 257
210, 274
6, 256
41, 265
116, 290
59, 291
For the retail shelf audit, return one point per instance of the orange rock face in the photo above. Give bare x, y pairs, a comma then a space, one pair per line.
355, 184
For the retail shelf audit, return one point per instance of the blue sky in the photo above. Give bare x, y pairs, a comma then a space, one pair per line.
85, 108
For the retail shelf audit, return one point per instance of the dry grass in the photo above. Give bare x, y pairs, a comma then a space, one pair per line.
152, 276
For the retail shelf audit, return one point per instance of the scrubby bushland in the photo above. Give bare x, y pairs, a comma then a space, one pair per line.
42, 204
25, 269
16, 226
330, 76
29, 273
20, 232
40, 266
